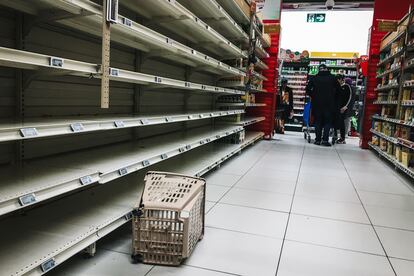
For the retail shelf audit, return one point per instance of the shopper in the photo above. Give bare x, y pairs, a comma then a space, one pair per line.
346, 101
285, 104
323, 90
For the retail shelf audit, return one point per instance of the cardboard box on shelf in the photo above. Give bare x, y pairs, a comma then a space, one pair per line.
375, 140
245, 7
398, 152
383, 144
390, 148
406, 157
405, 133
378, 126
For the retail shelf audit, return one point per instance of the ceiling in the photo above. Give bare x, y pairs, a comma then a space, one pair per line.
320, 5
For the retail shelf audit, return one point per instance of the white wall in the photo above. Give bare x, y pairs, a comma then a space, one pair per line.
343, 31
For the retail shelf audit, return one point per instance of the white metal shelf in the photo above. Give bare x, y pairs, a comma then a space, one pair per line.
261, 52
249, 121
217, 17
87, 17
43, 179
32, 128
235, 11
395, 121
176, 18
53, 233
33, 61
261, 65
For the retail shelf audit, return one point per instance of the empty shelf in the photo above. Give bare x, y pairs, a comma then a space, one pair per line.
33, 61
46, 127
45, 237
235, 11
249, 121
174, 17
38, 180
86, 16
261, 52
214, 15
261, 65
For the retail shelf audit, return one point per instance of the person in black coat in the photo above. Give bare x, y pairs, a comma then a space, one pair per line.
285, 102
323, 90
346, 101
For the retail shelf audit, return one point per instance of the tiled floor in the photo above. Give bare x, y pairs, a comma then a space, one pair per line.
289, 208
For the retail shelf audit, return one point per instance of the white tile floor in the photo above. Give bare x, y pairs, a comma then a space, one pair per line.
289, 208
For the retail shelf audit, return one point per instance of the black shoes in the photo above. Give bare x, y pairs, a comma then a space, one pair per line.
326, 144
318, 143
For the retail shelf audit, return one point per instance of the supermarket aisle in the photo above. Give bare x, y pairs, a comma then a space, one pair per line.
291, 209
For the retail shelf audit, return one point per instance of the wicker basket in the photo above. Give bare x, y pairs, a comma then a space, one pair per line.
170, 219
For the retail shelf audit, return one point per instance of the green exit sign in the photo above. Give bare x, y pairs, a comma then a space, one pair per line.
316, 17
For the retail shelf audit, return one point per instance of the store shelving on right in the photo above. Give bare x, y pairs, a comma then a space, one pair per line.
392, 127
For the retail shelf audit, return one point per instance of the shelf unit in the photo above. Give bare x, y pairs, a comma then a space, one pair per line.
72, 171
96, 213
297, 75
345, 66
392, 129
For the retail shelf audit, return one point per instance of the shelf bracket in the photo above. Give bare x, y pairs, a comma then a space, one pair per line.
90, 250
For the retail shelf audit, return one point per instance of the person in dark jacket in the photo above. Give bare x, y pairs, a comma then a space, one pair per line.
285, 103
346, 101
323, 90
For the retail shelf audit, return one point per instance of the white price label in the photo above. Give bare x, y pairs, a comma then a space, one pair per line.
28, 132
77, 127
27, 199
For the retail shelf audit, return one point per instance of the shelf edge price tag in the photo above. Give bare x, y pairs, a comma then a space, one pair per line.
29, 132
77, 127
27, 199
48, 265
145, 163
113, 72
188, 147
122, 171
85, 180
144, 121
168, 119
56, 62
119, 124
164, 156
181, 149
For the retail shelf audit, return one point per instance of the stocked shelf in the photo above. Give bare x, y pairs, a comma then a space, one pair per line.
33, 61
395, 121
393, 129
390, 71
48, 127
53, 233
407, 103
128, 33
386, 137
184, 23
391, 57
214, 15
386, 102
391, 159
37, 181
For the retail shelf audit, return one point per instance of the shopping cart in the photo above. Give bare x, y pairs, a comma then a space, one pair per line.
307, 128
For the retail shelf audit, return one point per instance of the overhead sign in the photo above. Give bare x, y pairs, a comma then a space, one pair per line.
316, 17
387, 25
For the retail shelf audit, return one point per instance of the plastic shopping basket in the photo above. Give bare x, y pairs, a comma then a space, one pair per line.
170, 219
